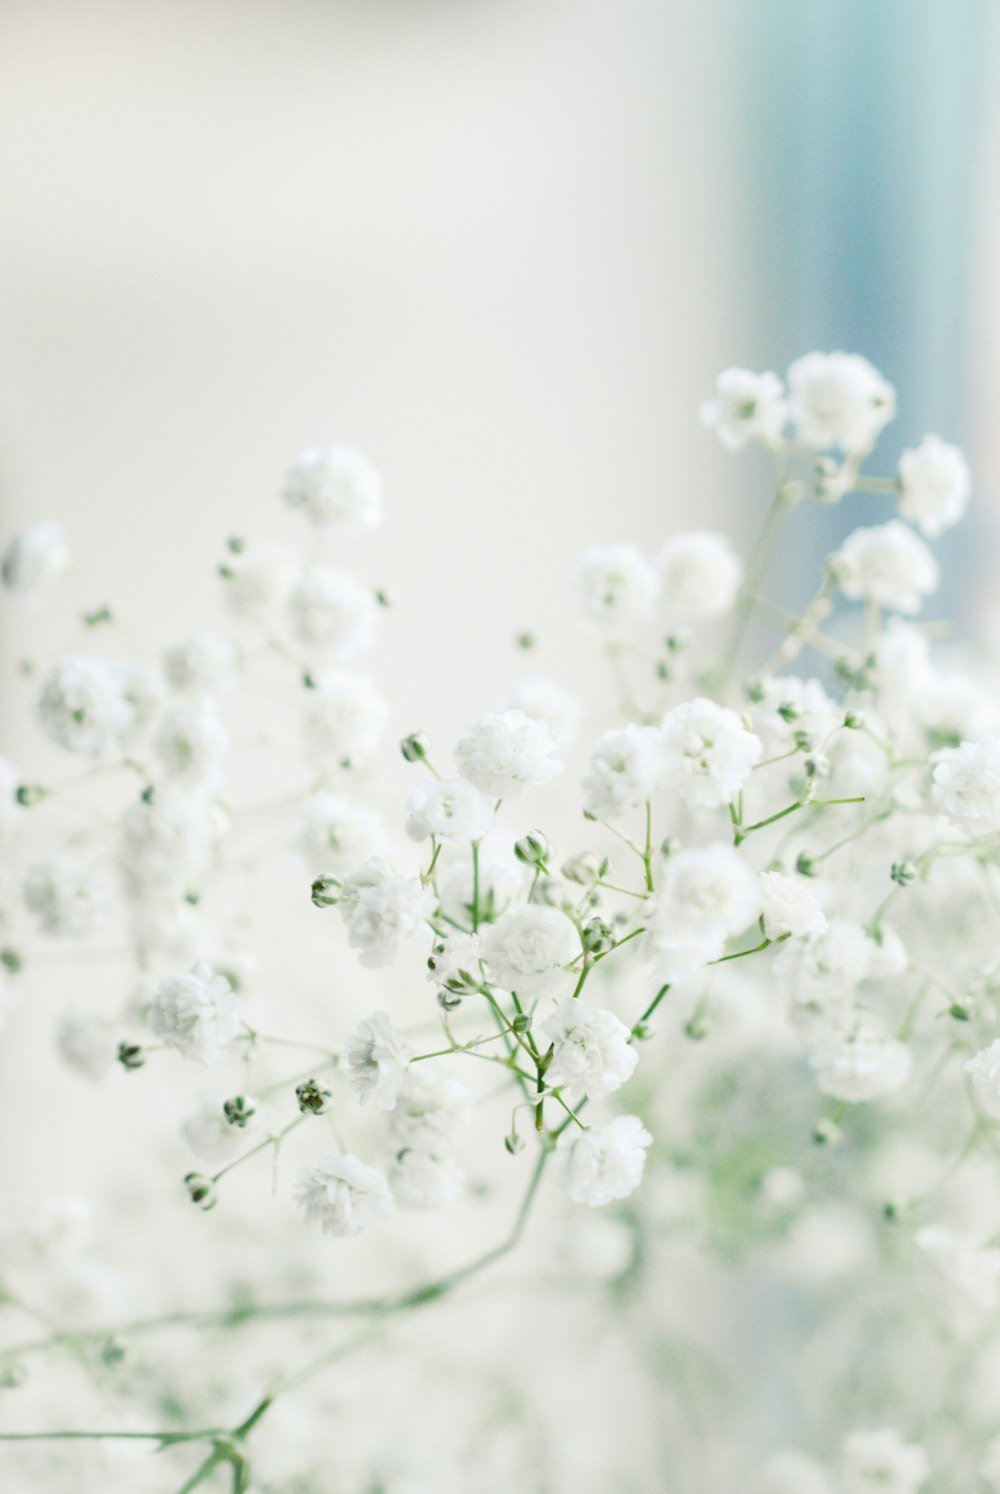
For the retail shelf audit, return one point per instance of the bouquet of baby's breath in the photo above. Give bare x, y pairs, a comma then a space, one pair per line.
747, 1009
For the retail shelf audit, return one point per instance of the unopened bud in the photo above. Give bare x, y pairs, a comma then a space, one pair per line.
514, 1143
586, 867
28, 794
201, 1190
790, 710
854, 720
597, 936
532, 849
521, 1023
325, 892
239, 1111
415, 747
827, 1133
313, 1097
817, 766
11, 961
903, 873
805, 865
131, 1056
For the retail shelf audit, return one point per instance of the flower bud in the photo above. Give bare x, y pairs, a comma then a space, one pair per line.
415, 747
903, 873
642, 1032
130, 1056
514, 1143
239, 1111
597, 937
325, 892
113, 1349
13, 1373
11, 961
586, 867
313, 1097
817, 766
201, 1190
532, 849
448, 1001
854, 720
790, 710
521, 1023
827, 1133
28, 794
805, 865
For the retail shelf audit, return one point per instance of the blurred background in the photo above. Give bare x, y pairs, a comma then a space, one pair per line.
503, 246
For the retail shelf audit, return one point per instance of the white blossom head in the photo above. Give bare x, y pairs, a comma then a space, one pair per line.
450, 810
62, 896
196, 1013
747, 407
966, 785
336, 488
545, 701
591, 1051
504, 753
382, 909
888, 566
191, 744
603, 1163
881, 1462
342, 1195
700, 576
627, 766
527, 947
345, 717
201, 665
84, 705
88, 1045
377, 1058
789, 907
838, 400
34, 558
863, 1064
934, 486
423, 1180
217, 1130
710, 753
619, 587
332, 614
336, 832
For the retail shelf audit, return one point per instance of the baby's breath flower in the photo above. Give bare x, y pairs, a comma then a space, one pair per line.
934, 486
196, 1013
747, 407
342, 1195
453, 810
527, 947
709, 753
34, 558
507, 753
619, 587
377, 1057
838, 400
382, 909
336, 488
887, 565
700, 575
604, 1163
591, 1054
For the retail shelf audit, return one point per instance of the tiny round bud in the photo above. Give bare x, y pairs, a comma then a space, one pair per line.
903, 873
891, 1210
805, 865
642, 1032
325, 892
113, 1350
961, 1011
526, 640
130, 1056
696, 1028
597, 937
28, 794
11, 961
670, 846
803, 741
448, 1001
13, 1373
532, 849
514, 1143
790, 710
201, 1190
522, 1022
239, 1111
415, 747
827, 1133
235, 544
313, 1097
817, 766
584, 868
854, 720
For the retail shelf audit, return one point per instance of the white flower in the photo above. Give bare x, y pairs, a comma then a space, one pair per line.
39, 1231
421, 1180
709, 753
89, 1045
971, 1271
934, 485
196, 1013
165, 842
191, 743
880, 1462
789, 907
332, 612
627, 766
591, 1050
820, 973
887, 565
452, 810
342, 1195
335, 487
839, 399
791, 1473
507, 752
862, 1065
707, 894
966, 785
747, 407
619, 586
700, 576
200, 665
257, 583
378, 1057
984, 1070
335, 833
345, 717
34, 558
603, 1163
382, 909
454, 964
62, 898
85, 706
549, 703
211, 1135
430, 1107
526, 948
